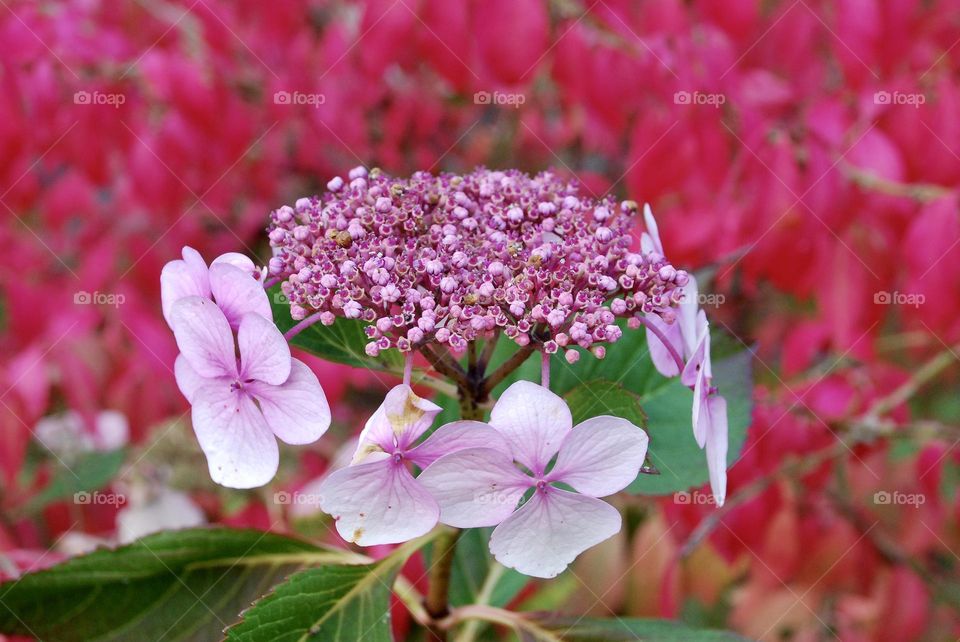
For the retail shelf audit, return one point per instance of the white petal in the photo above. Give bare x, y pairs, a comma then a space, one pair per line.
237, 260
662, 358
454, 436
171, 510
187, 378
378, 503
178, 281
264, 353
475, 487
204, 337
716, 414
601, 456
534, 422
238, 294
241, 451
296, 411
687, 316
550, 530
398, 422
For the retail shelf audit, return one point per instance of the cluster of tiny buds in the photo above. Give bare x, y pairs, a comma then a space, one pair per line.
455, 258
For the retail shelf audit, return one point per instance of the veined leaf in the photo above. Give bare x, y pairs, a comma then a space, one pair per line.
343, 342
328, 604
177, 585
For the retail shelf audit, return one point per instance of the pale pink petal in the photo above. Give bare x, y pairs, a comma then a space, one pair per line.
550, 530
662, 358
241, 451
204, 337
236, 259
687, 316
715, 413
601, 456
475, 487
456, 436
397, 423
697, 373
238, 294
195, 263
178, 281
652, 242
187, 378
378, 503
534, 422
264, 353
296, 411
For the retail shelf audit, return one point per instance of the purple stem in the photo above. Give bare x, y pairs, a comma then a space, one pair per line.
303, 325
408, 369
663, 339
272, 281
545, 370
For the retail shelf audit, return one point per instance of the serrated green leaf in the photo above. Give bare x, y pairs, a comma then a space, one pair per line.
601, 397
177, 585
328, 604
343, 342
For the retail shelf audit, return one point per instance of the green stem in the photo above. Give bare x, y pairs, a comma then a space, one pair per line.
437, 602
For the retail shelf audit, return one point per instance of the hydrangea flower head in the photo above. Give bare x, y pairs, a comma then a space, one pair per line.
450, 259
482, 486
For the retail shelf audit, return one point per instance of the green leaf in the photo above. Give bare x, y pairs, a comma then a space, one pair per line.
477, 577
329, 604
601, 397
673, 449
177, 585
342, 342
572, 629
92, 471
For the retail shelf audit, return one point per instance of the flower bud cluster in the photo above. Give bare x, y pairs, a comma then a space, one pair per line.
450, 259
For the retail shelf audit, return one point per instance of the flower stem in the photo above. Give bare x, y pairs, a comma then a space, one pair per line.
545, 369
303, 325
437, 602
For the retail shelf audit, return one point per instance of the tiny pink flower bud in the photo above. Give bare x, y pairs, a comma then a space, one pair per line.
515, 214
415, 335
298, 313
334, 184
352, 309
384, 204
550, 347
572, 356
618, 306
443, 335
495, 268
599, 351
372, 349
601, 214
448, 284
358, 172
327, 318
384, 324
667, 273
285, 214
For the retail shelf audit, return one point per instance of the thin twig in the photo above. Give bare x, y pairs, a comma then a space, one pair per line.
445, 365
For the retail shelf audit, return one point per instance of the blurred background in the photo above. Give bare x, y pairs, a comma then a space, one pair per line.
803, 156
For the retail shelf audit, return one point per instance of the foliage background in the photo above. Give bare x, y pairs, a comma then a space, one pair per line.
803, 156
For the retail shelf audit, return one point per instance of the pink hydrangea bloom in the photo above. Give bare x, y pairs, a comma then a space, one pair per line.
458, 258
377, 500
481, 486
241, 405
230, 280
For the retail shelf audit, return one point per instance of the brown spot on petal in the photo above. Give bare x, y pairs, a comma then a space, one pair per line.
357, 534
